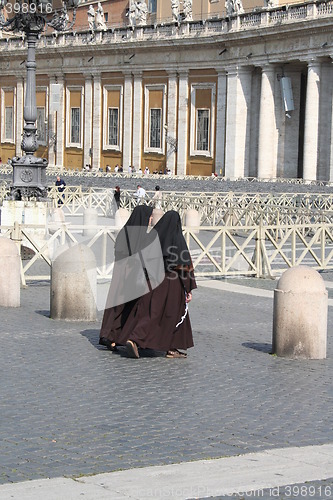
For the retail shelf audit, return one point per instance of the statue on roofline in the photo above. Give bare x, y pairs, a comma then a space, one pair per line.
175, 10
91, 19
187, 7
99, 18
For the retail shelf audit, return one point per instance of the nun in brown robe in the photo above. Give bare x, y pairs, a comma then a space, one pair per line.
123, 294
160, 320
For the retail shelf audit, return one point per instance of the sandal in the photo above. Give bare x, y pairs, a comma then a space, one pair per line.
132, 349
174, 353
107, 343
112, 347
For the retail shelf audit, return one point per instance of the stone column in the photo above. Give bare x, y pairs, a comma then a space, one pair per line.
238, 118
311, 122
88, 119
60, 127
137, 120
172, 123
182, 146
220, 121
97, 118
267, 160
51, 132
331, 155
127, 136
19, 114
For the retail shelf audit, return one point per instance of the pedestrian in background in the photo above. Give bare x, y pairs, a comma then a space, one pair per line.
140, 193
61, 184
117, 196
157, 198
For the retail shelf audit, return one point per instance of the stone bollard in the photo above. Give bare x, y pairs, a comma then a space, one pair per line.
74, 285
90, 218
57, 219
300, 315
121, 217
10, 269
157, 215
192, 219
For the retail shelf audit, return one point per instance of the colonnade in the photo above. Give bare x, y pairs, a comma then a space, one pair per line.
251, 131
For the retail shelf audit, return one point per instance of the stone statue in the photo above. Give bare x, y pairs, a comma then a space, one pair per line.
229, 7
239, 7
99, 18
141, 12
187, 7
175, 10
234, 7
270, 3
91, 19
132, 13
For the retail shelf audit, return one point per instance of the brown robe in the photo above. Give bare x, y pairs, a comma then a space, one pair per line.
151, 321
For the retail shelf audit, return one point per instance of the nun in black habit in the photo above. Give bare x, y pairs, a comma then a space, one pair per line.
160, 320
128, 279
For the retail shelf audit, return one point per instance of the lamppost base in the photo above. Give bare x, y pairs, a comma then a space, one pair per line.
29, 178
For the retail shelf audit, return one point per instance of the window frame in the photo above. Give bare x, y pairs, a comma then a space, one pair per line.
69, 142
150, 128
197, 130
152, 3
4, 139
106, 145
117, 126
9, 138
77, 124
147, 148
44, 141
193, 120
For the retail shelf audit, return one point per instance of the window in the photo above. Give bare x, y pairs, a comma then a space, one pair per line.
155, 128
202, 119
9, 129
41, 126
112, 117
113, 127
106, 16
155, 118
152, 6
202, 130
75, 126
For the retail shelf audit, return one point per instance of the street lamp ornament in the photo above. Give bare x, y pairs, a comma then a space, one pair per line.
30, 18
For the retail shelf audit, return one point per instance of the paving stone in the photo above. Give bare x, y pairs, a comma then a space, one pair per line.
71, 407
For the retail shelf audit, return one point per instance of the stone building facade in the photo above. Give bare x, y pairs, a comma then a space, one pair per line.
249, 95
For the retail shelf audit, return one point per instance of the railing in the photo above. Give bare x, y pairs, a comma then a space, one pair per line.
215, 209
52, 172
254, 250
260, 17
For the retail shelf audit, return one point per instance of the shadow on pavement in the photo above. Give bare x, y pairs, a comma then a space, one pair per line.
93, 337
258, 346
44, 313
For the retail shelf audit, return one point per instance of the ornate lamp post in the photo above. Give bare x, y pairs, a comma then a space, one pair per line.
31, 17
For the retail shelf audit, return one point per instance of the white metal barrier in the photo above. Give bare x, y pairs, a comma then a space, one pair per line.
257, 250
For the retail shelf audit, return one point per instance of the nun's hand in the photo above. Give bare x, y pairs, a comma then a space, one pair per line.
188, 297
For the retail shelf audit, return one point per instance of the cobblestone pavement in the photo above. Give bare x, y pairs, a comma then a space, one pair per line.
70, 407
207, 185
189, 184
